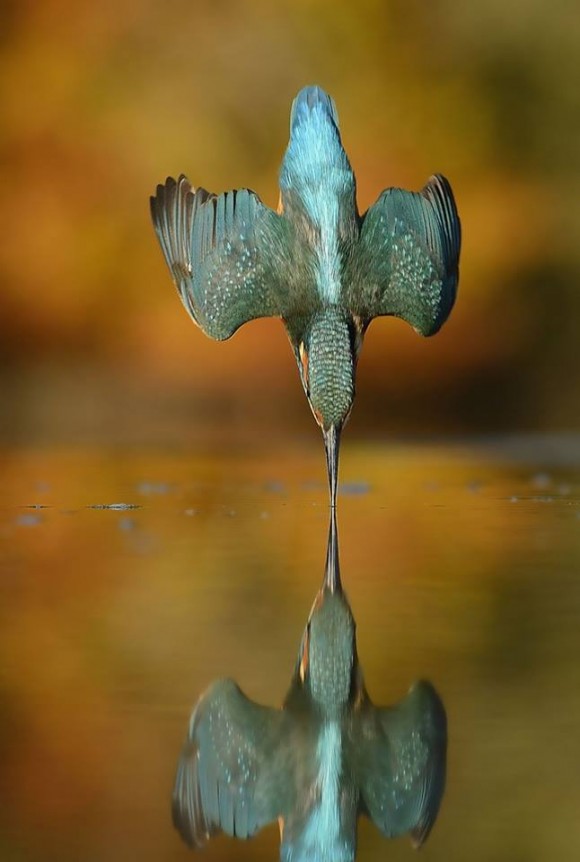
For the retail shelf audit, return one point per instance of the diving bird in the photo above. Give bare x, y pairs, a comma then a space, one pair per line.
316, 263
326, 757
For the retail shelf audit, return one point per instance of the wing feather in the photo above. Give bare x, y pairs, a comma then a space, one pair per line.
228, 255
406, 263
400, 761
230, 775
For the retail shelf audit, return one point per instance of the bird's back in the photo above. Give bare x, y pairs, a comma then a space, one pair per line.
318, 187
323, 827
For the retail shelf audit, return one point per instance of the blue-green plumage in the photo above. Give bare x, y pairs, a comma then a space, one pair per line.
316, 263
326, 757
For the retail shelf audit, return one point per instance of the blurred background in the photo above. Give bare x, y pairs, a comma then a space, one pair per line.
163, 503
103, 101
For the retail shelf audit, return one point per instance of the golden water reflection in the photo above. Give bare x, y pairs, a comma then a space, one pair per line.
460, 566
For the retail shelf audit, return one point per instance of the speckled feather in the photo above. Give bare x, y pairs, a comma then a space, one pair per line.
316, 264
228, 777
228, 254
406, 263
399, 758
328, 756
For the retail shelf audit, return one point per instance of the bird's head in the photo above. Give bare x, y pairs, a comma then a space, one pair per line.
328, 651
327, 352
326, 355
327, 661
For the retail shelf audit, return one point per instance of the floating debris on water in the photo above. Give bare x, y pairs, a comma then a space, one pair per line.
514, 499
116, 507
127, 524
274, 486
28, 520
312, 485
542, 480
474, 486
154, 487
353, 489
37, 506
190, 512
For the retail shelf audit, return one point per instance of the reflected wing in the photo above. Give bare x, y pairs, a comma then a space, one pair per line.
226, 253
400, 757
229, 775
407, 259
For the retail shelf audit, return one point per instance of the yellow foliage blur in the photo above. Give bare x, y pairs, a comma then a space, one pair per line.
102, 101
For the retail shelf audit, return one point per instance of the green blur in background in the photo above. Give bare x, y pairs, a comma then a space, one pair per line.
102, 101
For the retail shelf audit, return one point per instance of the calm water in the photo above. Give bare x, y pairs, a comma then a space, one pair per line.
462, 565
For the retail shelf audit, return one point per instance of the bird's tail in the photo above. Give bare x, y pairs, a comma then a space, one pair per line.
315, 160
309, 101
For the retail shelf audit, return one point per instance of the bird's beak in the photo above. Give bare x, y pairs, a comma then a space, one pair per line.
332, 445
332, 570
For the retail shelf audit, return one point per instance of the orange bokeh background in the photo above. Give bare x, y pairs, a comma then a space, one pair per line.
102, 101
461, 563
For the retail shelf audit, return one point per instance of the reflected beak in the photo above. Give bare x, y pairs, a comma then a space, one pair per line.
332, 569
332, 445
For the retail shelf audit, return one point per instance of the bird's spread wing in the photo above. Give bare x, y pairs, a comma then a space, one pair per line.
227, 254
406, 262
399, 762
229, 775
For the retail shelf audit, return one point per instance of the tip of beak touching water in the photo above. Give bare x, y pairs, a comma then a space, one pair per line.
332, 446
332, 581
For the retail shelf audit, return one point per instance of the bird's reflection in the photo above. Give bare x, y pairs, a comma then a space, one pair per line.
327, 756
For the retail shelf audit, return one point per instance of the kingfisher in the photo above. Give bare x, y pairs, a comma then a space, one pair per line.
317, 264
326, 757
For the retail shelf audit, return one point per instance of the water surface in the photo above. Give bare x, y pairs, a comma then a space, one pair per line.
129, 580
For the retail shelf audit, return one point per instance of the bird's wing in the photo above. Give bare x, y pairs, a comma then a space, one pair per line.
399, 760
229, 775
406, 262
227, 254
